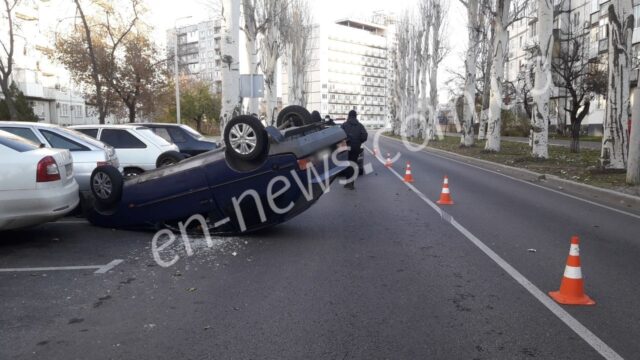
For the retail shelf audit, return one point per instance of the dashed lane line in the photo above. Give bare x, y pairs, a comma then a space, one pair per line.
590, 338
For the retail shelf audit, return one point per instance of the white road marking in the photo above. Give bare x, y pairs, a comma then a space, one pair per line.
105, 269
589, 337
100, 269
530, 183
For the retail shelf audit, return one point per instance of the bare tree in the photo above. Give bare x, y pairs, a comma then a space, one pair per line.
615, 142
486, 56
439, 50
578, 77
254, 25
543, 57
506, 13
425, 9
230, 70
474, 29
298, 29
6, 60
272, 47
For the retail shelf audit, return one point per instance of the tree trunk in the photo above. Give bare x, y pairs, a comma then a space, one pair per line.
633, 169
230, 70
615, 141
543, 81
253, 106
486, 96
497, 73
132, 112
575, 136
469, 107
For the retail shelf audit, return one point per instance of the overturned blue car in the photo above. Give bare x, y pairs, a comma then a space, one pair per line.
263, 177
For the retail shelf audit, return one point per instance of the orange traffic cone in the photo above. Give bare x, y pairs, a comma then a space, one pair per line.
408, 176
445, 197
572, 287
388, 163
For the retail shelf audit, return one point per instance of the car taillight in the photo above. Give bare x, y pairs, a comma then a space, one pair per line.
47, 170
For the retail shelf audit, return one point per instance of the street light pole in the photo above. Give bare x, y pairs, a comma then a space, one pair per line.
176, 68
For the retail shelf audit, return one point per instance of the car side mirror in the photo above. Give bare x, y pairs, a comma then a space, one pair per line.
42, 146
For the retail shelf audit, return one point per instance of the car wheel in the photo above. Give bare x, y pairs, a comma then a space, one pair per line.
132, 172
169, 158
245, 138
293, 116
106, 185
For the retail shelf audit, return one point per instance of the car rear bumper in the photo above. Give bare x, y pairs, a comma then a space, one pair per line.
22, 209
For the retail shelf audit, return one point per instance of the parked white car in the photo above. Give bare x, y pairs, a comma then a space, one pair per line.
87, 153
36, 184
139, 149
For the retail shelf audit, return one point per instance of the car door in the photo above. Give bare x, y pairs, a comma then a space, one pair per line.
131, 151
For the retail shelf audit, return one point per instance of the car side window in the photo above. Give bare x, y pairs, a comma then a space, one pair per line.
23, 133
121, 139
177, 136
163, 133
89, 132
60, 142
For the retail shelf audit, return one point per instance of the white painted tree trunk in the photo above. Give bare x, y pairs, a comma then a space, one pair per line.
615, 138
469, 107
230, 67
633, 169
253, 104
497, 73
543, 80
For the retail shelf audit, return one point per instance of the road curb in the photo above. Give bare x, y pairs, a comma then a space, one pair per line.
615, 199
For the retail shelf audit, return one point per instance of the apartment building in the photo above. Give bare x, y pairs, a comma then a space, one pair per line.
198, 51
572, 18
46, 85
349, 70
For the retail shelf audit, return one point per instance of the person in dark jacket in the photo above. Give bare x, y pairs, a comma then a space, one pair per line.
328, 121
356, 136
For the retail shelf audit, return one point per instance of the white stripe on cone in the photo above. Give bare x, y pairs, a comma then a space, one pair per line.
574, 273
446, 181
446, 191
575, 250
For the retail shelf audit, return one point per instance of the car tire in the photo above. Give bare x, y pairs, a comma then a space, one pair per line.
293, 116
245, 138
106, 185
169, 158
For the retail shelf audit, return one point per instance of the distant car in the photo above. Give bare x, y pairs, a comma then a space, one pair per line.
139, 149
228, 185
189, 141
88, 153
36, 184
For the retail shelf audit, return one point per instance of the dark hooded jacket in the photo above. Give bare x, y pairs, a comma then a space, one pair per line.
356, 133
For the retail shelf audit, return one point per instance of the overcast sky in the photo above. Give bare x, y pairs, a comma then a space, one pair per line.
165, 13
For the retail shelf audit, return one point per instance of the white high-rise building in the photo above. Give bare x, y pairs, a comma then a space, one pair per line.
198, 51
349, 70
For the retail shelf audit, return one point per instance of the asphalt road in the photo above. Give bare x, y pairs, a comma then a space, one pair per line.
374, 273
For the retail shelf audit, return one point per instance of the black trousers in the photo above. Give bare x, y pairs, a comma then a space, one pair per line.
350, 172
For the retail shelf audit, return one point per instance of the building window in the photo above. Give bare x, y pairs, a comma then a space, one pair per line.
636, 14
